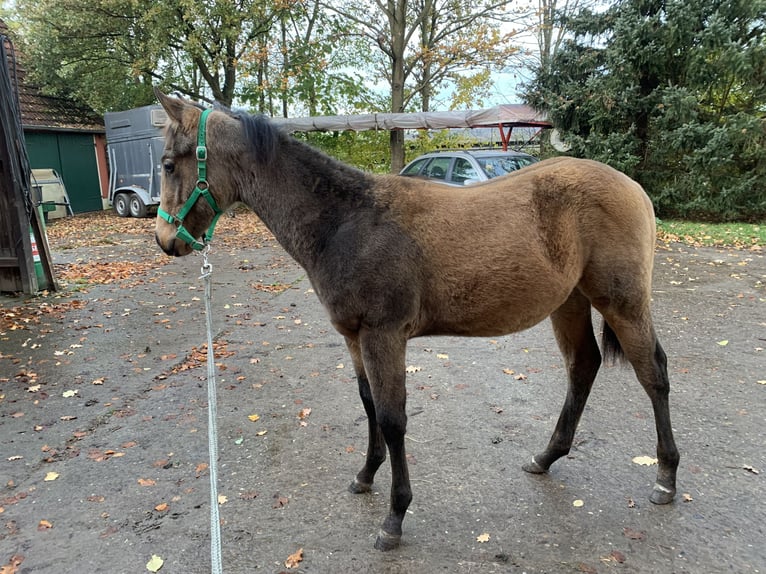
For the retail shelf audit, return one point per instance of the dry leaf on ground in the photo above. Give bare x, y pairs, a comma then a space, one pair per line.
294, 559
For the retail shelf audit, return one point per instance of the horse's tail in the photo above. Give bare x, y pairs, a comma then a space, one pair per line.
610, 346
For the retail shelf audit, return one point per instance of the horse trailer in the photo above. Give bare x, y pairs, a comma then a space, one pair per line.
134, 146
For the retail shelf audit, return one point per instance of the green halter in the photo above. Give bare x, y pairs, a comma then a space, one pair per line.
200, 190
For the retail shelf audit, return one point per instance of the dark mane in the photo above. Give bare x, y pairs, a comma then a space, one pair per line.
261, 135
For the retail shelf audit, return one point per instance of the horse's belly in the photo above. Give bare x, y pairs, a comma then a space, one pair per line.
487, 313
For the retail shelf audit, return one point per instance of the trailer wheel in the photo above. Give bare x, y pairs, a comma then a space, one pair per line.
121, 204
137, 207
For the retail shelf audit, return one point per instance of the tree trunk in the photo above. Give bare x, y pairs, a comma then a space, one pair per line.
398, 23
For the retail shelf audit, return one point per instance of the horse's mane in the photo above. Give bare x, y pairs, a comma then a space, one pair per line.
261, 135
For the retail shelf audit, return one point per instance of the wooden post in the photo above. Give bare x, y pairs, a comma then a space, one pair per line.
17, 269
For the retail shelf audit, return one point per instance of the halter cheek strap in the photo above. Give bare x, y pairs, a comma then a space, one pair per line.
200, 190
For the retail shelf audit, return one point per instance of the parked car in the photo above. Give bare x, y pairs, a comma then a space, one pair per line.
464, 167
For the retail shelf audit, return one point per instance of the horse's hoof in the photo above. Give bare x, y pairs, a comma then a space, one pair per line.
357, 487
533, 468
386, 541
661, 494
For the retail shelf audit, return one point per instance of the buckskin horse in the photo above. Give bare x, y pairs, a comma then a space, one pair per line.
392, 258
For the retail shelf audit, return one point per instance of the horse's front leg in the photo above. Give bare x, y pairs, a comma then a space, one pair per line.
376, 446
383, 355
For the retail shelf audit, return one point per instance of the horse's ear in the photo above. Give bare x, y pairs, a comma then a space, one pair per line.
173, 106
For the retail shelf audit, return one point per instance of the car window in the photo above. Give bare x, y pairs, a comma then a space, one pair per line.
438, 168
463, 170
524, 161
495, 166
415, 167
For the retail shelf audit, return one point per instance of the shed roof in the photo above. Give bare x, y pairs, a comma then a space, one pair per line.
40, 112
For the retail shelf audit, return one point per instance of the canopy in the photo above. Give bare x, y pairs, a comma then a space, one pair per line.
505, 115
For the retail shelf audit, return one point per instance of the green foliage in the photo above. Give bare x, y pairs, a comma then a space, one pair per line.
673, 93
366, 150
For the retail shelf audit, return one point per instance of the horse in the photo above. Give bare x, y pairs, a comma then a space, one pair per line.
391, 258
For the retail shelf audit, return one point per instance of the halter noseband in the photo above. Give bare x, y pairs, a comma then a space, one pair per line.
202, 189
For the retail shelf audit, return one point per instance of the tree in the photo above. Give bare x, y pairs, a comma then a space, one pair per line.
671, 92
424, 44
551, 25
98, 50
298, 66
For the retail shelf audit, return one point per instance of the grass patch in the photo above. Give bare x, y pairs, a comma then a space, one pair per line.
737, 235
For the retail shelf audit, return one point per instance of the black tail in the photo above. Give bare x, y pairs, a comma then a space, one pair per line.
610, 346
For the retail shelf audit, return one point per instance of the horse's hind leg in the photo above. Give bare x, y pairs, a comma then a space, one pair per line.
376, 446
640, 346
573, 328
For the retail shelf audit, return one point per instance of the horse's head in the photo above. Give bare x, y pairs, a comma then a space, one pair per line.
190, 201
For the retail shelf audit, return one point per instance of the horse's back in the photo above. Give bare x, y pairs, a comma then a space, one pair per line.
563, 205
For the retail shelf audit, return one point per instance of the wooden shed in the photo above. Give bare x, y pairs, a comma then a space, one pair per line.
64, 136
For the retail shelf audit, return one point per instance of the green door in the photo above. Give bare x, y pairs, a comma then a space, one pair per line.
73, 156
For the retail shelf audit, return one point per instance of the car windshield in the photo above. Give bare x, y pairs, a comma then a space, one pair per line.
497, 165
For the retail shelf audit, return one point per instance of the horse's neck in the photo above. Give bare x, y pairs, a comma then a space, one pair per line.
302, 197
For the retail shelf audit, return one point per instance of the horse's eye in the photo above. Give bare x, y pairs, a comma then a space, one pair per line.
169, 167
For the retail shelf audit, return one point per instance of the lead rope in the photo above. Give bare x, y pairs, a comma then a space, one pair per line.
216, 566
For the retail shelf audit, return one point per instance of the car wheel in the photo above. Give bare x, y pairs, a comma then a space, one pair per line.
137, 207
121, 205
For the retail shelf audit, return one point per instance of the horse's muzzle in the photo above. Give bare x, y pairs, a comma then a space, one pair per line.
175, 248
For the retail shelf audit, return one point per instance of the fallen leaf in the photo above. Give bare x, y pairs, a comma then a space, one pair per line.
155, 563
482, 538
442, 356
254, 418
304, 413
633, 534
222, 499
723, 343
51, 476
280, 501
44, 525
509, 371
644, 460
147, 482
161, 507
68, 394
413, 369
578, 503
294, 559
261, 433
763, 382
687, 497
12, 566
614, 556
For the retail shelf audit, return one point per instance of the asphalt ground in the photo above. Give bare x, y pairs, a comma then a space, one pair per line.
103, 426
